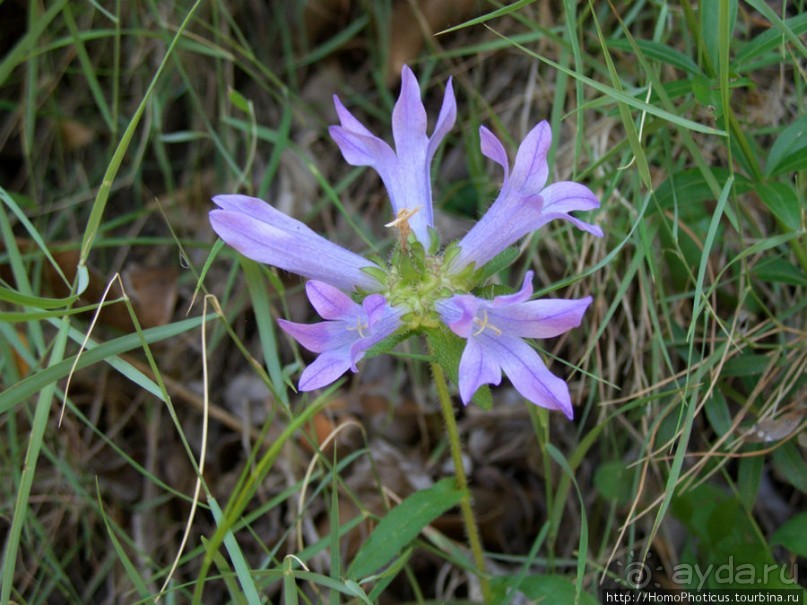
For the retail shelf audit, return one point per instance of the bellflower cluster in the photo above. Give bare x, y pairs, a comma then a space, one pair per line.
423, 288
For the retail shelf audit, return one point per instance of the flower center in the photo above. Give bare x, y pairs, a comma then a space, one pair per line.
483, 323
359, 327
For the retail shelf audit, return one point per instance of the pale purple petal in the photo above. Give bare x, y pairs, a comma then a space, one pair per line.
358, 145
521, 296
544, 318
342, 341
493, 149
494, 330
325, 369
530, 377
567, 196
330, 302
384, 322
458, 313
445, 121
501, 226
531, 169
318, 337
564, 197
405, 171
348, 121
374, 307
523, 204
478, 366
264, 234
409, 118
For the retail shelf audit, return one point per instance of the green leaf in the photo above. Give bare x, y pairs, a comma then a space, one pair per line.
541, 589
790, 464
710, 26
749, 477
779, 270
792, 534
783, 202
789, 151
240, 101
402, 525
718, 413
658, 52
501, 261
688, 189
706, 91
614, 481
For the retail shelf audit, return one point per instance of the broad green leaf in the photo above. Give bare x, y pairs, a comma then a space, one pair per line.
688, 189
718, 413
658, 52
749, 477
789, 151
791, 466
783, 201
710, 26
614, 481
781, 27
242, 569
745, 365
779, 270
35, 302
541, 589
402, 525
792, 534
501, 261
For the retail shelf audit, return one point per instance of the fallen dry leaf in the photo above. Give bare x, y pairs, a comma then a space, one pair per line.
151, 290
412, 22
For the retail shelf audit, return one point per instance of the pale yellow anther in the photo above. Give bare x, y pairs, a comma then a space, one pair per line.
403, 216
483, 323
401, 222
359, 327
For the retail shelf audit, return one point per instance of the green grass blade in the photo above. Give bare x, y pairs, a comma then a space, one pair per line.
34, 383
40, 422
101, 199
699, 301
242, 570
620, 96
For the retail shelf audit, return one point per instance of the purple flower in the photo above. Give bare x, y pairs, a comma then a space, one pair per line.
341, 341
264, 234
406, 170
524, 204
495, 330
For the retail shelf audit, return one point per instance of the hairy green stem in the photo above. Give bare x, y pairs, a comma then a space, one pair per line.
468, 517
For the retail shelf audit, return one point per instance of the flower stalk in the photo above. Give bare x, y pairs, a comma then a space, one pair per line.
466, 505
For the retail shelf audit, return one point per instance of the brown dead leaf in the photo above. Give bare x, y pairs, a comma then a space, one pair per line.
152, 291
75, 135
412, 22
776, 429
